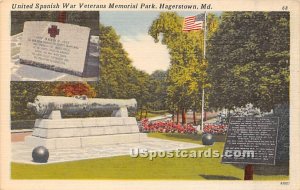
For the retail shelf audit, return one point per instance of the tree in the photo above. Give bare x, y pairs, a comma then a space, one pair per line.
158, 90
118, 77
73, 88
116, 69
187, 74
249, 60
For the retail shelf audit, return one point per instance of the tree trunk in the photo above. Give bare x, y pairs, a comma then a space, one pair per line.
146, 115
141, 113
194, 117
183, 116
177, 116
173, 116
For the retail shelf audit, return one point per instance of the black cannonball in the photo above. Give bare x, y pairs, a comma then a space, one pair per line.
40, 154
207, 139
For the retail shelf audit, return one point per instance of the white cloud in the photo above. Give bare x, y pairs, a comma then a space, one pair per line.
145, 53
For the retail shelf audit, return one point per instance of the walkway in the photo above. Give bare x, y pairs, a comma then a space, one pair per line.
21, 153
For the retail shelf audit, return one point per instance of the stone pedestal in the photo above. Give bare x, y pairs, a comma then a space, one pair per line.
83, 132
122, 112
55, 115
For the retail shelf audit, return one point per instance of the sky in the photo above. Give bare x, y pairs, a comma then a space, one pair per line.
132, 27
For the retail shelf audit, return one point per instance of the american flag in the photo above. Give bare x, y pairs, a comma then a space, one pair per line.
194, 22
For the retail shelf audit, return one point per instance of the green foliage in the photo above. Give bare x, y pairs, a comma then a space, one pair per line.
249, 60
158, 90
118, 78
21, 124
187, 73
83, 18
24, 92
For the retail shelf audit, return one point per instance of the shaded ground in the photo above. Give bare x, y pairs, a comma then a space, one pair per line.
189, 117
279, 168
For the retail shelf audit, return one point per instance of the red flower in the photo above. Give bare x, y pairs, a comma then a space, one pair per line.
167, 127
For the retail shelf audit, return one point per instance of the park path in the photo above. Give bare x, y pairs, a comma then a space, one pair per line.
19, 135
211, 117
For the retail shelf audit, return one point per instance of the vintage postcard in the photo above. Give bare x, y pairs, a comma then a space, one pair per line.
149, 94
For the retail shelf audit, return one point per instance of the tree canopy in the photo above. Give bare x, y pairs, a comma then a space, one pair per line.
118, 77
249, 60
187, 74
83, 18
73, 88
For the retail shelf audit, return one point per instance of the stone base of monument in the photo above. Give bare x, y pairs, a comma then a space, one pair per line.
84, 132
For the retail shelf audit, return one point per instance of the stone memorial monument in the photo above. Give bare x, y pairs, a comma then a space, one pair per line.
55, 46
54, 132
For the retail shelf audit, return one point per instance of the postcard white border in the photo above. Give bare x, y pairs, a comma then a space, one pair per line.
218, 5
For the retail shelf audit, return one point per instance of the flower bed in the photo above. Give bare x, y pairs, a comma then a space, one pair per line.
166, 127
215, 128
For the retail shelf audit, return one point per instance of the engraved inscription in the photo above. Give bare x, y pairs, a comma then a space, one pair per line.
258, 135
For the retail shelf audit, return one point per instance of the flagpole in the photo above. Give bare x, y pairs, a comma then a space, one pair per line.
204, 48
204, 55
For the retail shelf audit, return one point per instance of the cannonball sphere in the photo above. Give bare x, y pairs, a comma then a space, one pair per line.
207, 139
40, 154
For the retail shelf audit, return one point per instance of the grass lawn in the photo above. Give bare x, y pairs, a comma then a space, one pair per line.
126, 167
151, 114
